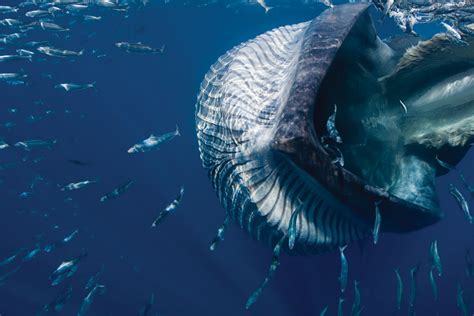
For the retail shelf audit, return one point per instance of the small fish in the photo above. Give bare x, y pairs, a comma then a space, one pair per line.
435, 259
55, 52
377, 223
77, 185
444, 164
10, 38
58, 303
7, 275
434, 287
273, 267
399, 289
344, 269
94, 279
469, 264
169, 209
324, 311
117, 191
89, 299
76, 7
220, 233
413, 274
7, 58
356, 305
331, 127
7, 9
11, 76
264, 5
24, 52
387, 7
36, 143
69, 237
292, 229
453, 34
139, 48
65, 270
32, 253
404, 107
69, 87
36, 43
461, 201
91, 18
145, 310
11, 258
460, 301
36, 13
51, 27
153, 142
340, 311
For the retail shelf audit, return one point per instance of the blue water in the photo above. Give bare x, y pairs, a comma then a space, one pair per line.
142, 94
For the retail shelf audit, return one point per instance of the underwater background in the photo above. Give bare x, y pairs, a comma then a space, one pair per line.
138, 95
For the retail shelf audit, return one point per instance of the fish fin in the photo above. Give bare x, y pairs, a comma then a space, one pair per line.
267, 9
177, 131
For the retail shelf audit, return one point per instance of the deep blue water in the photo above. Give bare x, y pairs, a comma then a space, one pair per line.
142, 94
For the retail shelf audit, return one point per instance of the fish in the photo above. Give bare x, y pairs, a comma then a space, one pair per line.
76, 7
36, 43
377, 223
460, 301
331, 127
468, 187
453, 34
11, 22
7, 9
398, 297
169, 208
344, 269
434, 287
445, 165
7, 275
264, 5
292, 229
356, 305
404, 107
57, 304
77, 185
220, 233
324, 311
65, 270
24, 52
91, 18
32, 253
153, 142
10, 38
52, 27
273, 267
117, 191
340, 311
469, 264
62, 53
461, 201
145, 310
97, 290
94, 279
11, 258
413, 274
435, 259
69, 87
36, 143
11, 76
3, 144
7, 58
36, 13
139, 48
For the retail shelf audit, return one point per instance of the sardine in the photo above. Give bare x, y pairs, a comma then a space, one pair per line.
58, 303
453, 34
169, 208
435, 259
62, 53
344, 269
65, 270
36, 13
434, 287
117, 191
89, 299
413, 274
377, 223
7, 58
139, 48
220, 233
153, 142
11, 76
292, 229
94, 279
36, 143
461, 201
77, 185
11, 258
69, 87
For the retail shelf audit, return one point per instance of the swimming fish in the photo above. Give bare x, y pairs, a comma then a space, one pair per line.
399, 290
55, 52
3, 144
404, 107
169, 209
7, 275
453, 34
50, 247
117, 191
413, 274
273, 267
11, 76
331, 127
220, 233
58, 303
36, 13
344, 269
461, 201
69, 87
11, 22
66, 269
91, 18
32, 253
435, 259
11, 258
7, 9
153, 142
24, 52
264, 5
378, 221
77, 185
36, 143
89, 299
434, 287
7, 58
94, 279
444, 164
51, 27
356, 305
147, 307
292, 229
139, 48
460, 301
10, 38
340, 311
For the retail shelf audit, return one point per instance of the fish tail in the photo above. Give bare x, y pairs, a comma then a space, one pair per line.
268, 9
93, 86
162, 49
81, 52
177, 131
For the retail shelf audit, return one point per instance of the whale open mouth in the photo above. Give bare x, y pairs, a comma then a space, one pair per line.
400, 110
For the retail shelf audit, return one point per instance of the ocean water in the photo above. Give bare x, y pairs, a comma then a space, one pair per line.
141, 94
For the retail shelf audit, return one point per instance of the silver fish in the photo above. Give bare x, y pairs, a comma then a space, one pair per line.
435, 259
52, 27
69, 87
94, 279
117, 191
377, 223
6, 58
24, 52
66, 269
169, 209
32, 253
11, 76
468, 187
220, 233
153, 142
7, 9
11, 258
91, 18
89, 299
10, 38
55, 52
434, 287
453, 34
36, 143
444, 164
413, 274
36, 13
138, 48
344, 269
11, 22
3, 144
399, 295
461, 201
77, 185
